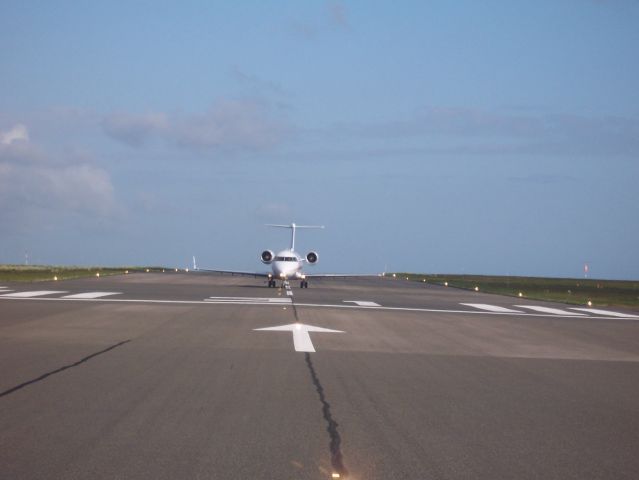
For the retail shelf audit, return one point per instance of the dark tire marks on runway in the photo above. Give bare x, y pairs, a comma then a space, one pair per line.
61, 369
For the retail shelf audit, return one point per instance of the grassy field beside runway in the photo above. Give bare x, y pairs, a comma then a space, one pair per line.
39, 273
565, 290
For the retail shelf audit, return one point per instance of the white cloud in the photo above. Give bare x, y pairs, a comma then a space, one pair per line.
229, 125
333, 18
36, 186
468, 130
17, 133
134, 130
337, 14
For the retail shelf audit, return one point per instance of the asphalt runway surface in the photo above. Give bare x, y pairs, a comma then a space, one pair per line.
164, 376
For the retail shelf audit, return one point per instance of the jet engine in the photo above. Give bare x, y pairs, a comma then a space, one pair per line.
312, 257
267, 256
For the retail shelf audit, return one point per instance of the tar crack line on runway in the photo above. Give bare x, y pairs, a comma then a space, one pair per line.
337, 460
58, 370
335, 444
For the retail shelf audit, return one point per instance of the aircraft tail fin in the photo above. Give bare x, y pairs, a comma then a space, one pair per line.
293, 227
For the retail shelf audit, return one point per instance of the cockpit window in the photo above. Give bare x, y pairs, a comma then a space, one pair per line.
285, 259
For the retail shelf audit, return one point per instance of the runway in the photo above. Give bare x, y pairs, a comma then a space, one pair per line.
173, 376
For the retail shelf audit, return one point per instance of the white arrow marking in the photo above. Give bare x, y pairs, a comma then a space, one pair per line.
301, 338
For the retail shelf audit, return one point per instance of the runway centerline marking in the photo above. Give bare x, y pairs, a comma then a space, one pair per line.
491, 308
301, 338
556, 311
363, 303
34, 293
605, 312
287, 285
92, 295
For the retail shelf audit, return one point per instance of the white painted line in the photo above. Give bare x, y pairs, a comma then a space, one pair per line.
309, 305
91, 295
301, 338
363, 303
605, 312
554, 311
491, 308
247, 300
241, 298
35, 293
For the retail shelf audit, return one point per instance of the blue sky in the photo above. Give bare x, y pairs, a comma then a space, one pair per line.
450, 137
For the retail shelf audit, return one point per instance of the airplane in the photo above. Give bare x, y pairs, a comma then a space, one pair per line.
286, 264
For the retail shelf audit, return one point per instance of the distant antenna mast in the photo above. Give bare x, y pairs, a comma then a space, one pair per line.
586, 269
26, 258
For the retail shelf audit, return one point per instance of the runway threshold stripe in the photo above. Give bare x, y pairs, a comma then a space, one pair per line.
491, 308
314, 305
605, 312
554, 311
247, 301
34, 293
91, 295
363, 303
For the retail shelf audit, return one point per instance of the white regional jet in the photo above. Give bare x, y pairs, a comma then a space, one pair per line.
286, 264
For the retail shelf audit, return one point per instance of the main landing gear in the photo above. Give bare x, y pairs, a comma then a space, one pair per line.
273, 284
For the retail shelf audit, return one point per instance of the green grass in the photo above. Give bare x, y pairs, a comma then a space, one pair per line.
39, 273
565, 290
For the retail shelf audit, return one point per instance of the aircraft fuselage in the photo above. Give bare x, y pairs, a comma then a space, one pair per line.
287, 264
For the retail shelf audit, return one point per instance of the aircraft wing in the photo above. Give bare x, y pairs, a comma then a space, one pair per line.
233, 272
341, 275
229, 272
